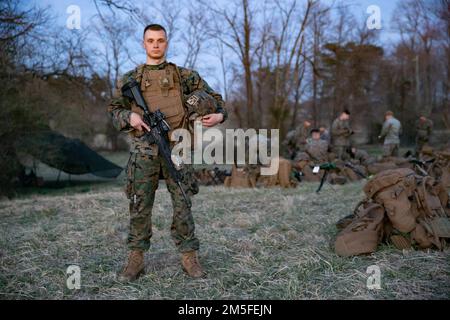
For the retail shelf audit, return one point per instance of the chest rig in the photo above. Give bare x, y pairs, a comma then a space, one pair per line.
162, 90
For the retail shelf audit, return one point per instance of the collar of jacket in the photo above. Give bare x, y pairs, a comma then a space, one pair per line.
156, 66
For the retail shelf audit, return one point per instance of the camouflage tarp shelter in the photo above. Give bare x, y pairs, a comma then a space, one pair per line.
68, 155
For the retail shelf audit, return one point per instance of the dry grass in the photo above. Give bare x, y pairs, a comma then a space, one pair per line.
262, 243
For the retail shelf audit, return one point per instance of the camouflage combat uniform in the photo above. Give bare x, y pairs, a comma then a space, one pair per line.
295, 142
424, 129
340, 137
325, 136
145, 164
362, 157
317, 150
391, 131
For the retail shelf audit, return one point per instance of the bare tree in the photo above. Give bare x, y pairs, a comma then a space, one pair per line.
238, 36
289, 49
418, 32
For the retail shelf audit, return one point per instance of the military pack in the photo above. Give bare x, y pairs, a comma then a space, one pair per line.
414, 210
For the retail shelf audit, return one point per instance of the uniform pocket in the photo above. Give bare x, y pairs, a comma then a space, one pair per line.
189, 180
131, 169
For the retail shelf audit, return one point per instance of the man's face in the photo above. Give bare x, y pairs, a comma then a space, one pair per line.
307, 124
344, 116
423, 119
316, 135
155, 44
322, 129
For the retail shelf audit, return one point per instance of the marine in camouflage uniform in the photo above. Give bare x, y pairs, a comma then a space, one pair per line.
341, 132
295, 141
424, 129
359, 156
317, 148
145, 164
390, 132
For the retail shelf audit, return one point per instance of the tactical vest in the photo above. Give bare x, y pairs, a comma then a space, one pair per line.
162, 90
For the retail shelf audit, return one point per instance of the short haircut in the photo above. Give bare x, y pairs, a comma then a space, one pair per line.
389, 113
346, 112
154, 27
315, 130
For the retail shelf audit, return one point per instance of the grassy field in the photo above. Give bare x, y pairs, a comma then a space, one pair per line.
255, 243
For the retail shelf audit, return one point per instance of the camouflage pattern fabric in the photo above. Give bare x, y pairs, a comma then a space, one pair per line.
391, 131
199, 103
120, 107
317, 150
295, 141
340, 133
424, 130
391, 150
143, 173
145, 166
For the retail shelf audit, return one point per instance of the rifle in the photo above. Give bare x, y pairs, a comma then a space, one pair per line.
421, 165
221, 174
355, 170
327, 167
297, 175
218, 175
158, 133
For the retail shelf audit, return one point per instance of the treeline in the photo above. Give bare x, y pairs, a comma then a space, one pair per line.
309, 59
276, 63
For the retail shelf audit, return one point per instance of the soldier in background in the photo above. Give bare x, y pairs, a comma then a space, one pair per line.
360, 156
317, 148
296, 140
341, 132
325, 134
424, 127
391, 131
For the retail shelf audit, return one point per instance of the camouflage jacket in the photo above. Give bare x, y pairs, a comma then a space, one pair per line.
341, 132
391, 131
317, 150
120, 107
363, 157
424, 129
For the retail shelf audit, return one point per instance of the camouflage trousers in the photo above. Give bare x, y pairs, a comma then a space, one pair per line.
143, 172
420, 143
391, 150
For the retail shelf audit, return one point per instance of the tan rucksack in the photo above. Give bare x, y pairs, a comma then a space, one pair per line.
281, 178
363, 234
392, 189
431, 202
240, 178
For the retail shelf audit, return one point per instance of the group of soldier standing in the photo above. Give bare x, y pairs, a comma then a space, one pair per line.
318, 142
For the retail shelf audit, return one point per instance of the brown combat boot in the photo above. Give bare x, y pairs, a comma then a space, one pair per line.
191, 265
134, 267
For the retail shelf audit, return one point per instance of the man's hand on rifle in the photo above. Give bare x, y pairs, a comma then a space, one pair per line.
137, 122
210, 120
